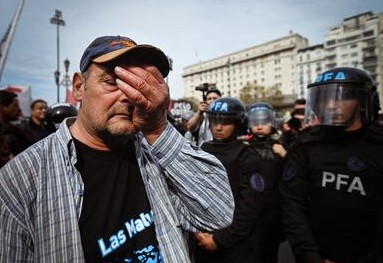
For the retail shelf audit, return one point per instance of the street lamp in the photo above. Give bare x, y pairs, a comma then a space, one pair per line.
57, 20
66, 65
57, 77
66, 82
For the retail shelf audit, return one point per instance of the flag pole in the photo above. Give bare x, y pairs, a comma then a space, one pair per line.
8, 36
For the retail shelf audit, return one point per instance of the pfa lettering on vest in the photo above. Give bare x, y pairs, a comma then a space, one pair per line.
342, 182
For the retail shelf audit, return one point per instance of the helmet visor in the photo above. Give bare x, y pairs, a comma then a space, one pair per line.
260, 117
336, 104
223, 119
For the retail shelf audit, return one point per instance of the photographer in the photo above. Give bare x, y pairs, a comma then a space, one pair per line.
293, 126
199, 122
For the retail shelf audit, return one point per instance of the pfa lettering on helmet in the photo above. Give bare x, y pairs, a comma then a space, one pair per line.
226, 110
340, 75
219, 106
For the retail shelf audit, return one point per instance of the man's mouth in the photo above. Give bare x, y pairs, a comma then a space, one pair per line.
122, 115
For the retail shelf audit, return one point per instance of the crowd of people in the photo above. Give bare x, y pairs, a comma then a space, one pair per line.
115, 181
18, 133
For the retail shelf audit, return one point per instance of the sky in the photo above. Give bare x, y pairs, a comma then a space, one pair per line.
188, 31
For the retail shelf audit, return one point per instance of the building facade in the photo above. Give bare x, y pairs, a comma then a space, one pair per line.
357, 42
289, 64
272, 64
310, 63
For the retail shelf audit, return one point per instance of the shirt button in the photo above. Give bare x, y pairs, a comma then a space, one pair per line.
159, 155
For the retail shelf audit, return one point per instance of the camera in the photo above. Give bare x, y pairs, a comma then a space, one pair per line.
294, 124
205, 87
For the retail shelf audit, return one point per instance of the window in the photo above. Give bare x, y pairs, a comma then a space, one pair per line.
368, 33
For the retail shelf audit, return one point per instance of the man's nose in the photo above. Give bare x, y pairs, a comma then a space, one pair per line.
218, 126
332, 104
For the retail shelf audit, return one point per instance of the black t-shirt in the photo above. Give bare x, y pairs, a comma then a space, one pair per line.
116, 221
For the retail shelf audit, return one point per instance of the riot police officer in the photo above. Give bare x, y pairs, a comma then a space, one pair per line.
240, 242
332, 186
265, 142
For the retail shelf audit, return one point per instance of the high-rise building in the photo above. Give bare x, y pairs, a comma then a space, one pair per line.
357, 42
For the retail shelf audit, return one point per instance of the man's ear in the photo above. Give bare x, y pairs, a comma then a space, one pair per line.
78, 86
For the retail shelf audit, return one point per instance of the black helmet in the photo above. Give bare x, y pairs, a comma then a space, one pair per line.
341, 84
226, 110
57, 112
260, 113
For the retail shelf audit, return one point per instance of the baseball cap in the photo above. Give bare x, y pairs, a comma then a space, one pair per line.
107, 48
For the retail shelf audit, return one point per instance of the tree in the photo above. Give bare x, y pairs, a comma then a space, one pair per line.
256, 93
252, 93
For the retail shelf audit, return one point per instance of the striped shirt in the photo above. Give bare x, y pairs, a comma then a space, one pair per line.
41, 195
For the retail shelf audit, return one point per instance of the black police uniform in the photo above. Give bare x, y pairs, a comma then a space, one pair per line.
332, 196
271, 167
240, 241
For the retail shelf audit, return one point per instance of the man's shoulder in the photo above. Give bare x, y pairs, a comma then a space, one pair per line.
44, 145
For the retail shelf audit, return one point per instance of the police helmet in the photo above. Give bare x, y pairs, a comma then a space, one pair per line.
260, 113
57, 112
226, 111
341, 84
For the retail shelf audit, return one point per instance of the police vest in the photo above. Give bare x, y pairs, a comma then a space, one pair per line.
346, 193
